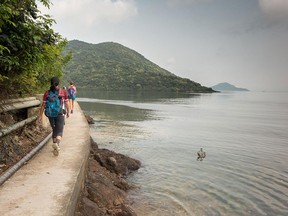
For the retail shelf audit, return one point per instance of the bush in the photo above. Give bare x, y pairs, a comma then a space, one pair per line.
30, 51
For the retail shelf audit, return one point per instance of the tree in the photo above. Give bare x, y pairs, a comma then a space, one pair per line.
30, 50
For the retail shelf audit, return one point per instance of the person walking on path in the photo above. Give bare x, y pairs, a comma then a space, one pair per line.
56, 106
72, 95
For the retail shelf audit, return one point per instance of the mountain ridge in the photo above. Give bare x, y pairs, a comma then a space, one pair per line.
225, 86
112, 66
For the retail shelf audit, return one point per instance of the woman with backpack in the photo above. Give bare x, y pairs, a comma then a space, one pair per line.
56, 106
71, 95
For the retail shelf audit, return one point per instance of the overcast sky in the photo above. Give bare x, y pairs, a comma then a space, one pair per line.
243, 42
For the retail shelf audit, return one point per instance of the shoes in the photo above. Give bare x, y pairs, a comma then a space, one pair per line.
56, 149
71, 111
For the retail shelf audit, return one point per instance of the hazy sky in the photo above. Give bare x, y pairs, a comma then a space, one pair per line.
243, 42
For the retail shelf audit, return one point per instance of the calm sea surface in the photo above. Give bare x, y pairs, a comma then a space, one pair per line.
244, 134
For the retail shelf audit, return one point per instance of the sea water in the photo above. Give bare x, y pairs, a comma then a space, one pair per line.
244, 135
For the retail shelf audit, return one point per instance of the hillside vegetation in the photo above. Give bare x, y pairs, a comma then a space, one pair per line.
112, 66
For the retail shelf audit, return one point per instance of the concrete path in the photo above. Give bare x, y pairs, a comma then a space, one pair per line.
48, 184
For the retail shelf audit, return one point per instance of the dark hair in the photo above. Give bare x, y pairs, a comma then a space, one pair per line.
71, 83
54, 83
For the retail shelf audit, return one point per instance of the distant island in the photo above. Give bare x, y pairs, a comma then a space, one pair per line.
112, 66
227, 87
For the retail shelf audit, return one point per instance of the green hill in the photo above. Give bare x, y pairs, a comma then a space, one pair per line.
112, 66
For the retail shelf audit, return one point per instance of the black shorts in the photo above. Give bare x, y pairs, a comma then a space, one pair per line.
57, 124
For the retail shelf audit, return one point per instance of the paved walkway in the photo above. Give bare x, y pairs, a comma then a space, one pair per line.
50, 185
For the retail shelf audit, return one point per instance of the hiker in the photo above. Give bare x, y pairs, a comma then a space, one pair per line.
56, 106
72, 95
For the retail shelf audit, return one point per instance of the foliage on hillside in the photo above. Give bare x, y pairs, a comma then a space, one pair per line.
30, 51
112, 66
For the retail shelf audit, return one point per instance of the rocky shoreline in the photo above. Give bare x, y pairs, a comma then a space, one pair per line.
105, 188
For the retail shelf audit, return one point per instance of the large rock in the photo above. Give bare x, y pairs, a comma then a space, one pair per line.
105, 188
114, 162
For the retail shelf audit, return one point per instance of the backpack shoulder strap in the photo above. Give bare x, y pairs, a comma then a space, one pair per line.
52, 94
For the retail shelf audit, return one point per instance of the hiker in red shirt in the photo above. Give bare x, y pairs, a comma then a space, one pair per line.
56, 106
72, 95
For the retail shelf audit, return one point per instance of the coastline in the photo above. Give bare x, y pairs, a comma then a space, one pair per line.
105, 188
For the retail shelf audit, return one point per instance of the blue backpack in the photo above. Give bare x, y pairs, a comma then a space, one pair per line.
71, 92
53, 104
